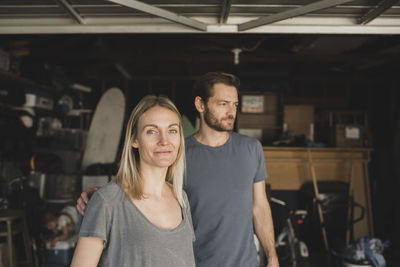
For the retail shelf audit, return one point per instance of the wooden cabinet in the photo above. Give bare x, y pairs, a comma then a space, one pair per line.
290, 168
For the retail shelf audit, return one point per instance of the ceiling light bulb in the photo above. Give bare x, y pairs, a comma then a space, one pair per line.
236, 52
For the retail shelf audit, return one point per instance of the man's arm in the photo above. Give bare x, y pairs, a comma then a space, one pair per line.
82, 201
263, 225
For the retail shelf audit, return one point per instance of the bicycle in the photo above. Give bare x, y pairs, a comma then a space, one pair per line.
292, 251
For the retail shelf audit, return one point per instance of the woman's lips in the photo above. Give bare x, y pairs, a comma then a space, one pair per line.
163, 152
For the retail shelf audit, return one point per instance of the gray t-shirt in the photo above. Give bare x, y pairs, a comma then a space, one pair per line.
130, 238
219, 185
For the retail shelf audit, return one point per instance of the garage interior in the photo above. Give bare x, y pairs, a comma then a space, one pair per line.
333, 64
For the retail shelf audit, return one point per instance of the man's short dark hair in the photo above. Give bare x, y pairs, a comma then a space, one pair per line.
203, 87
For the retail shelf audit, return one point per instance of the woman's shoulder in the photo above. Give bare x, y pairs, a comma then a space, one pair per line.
111, 192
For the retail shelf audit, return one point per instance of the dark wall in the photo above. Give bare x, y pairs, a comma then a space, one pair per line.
384, 107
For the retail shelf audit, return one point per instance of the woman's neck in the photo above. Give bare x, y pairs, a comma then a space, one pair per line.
154, 181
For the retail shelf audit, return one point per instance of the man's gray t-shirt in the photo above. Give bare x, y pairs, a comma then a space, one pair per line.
130, 238
219, 185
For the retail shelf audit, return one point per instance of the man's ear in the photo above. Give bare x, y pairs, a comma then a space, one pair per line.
199, 104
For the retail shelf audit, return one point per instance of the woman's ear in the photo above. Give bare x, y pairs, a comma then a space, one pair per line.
199, 104
135, 144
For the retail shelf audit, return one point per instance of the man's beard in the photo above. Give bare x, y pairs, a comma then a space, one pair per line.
216, 124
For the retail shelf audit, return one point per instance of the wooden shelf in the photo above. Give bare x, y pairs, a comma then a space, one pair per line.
12, 77
290, 167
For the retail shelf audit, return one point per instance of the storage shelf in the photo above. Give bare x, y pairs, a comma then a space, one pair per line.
12, 77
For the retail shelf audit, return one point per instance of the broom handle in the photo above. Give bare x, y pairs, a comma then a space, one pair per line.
321, 216
350, 204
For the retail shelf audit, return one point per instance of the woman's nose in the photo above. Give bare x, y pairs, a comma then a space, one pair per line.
163, 139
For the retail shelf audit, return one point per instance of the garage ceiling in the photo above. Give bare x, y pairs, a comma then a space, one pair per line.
98, 39
205, 16
90, 57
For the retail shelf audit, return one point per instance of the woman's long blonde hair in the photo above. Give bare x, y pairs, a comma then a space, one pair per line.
128, 175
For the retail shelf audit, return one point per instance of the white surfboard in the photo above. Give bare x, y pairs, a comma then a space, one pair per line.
105, 129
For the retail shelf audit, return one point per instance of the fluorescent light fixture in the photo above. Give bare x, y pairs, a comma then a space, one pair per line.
81, 87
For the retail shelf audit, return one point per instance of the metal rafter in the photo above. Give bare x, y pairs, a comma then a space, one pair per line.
162, 13
374, 13
226, 9
291, 13
71, 11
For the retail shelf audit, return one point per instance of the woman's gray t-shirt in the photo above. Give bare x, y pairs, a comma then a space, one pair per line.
130, 239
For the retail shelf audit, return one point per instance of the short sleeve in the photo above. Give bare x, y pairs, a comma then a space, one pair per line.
95, 222
261, 173
189, 215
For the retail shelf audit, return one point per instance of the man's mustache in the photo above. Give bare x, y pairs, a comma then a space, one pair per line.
229, 117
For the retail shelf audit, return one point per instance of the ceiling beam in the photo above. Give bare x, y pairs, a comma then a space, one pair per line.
376, 12
291, 13
71, 11
226, 9
297, 25
162, 13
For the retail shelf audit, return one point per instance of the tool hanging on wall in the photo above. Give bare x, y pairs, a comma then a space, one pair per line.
321, 215
349, 232
368, 203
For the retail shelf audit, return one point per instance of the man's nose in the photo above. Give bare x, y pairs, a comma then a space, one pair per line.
232, 109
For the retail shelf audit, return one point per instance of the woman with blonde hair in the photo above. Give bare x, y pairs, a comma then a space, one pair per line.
142, 218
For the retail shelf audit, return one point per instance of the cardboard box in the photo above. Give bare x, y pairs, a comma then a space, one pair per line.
255, 133
259, 116
254, 125
253, 103
246, 120
350, 135
265, 136
299, 120
259, 103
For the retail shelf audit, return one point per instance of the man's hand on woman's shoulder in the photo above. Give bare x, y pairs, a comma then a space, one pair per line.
82, 201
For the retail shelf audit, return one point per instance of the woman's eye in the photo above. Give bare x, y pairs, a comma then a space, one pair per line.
151, 132
173, 131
